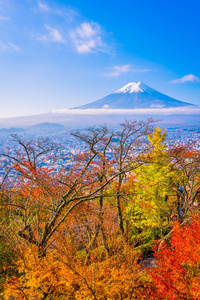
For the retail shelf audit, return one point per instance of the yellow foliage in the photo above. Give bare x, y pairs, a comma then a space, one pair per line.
52, 277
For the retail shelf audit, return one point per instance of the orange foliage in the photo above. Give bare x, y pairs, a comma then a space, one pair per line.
56, 277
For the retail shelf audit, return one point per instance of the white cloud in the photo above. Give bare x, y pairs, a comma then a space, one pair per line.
14, 47
8, 47
83, 37
187, 78
43, 6
89, 46
87, 38
87, 30
53, 35
70, 14
119, 70
139, 111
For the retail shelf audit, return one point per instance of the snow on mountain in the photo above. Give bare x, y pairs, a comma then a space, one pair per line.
132, 87
135, 95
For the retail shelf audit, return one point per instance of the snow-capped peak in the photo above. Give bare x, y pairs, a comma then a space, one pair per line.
132, 87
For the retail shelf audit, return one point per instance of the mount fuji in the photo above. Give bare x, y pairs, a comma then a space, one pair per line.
135, 95
135, 101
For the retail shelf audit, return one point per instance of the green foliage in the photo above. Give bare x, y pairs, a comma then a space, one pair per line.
150, 209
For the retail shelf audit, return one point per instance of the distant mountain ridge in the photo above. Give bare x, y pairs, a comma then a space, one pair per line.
135, 95
47, 126
11, 130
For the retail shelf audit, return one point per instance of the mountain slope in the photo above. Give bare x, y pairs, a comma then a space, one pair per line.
135, 95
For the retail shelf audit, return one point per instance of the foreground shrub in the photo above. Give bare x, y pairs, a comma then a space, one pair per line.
177, 275
55, 277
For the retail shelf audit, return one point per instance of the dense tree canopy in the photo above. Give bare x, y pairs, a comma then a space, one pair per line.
86, 233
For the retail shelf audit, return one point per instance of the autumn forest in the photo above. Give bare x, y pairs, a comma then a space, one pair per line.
122, 223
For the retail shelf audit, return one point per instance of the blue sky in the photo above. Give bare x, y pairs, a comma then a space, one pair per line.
57, 54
